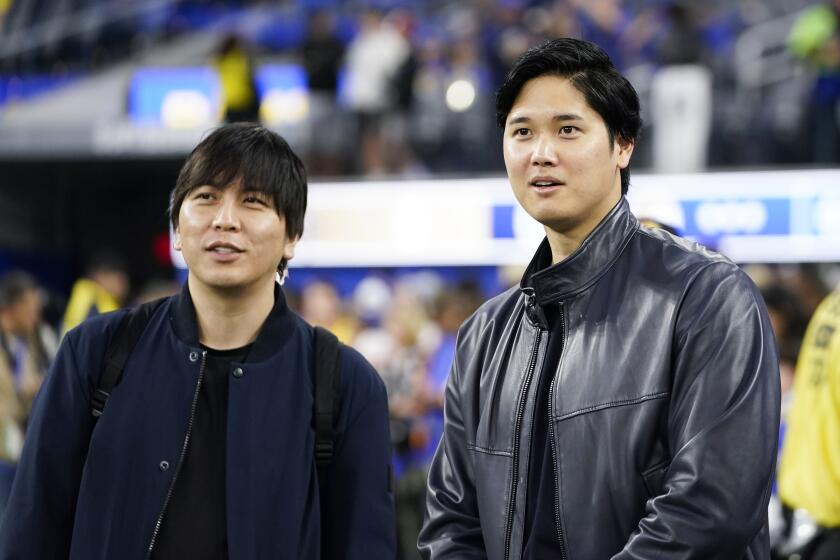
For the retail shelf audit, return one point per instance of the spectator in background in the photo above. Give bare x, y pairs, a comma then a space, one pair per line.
398, 153
373, 59
452, 308
809, 473
789, 322
26, 349
815, 38
239, 94
430, 118
322, 53
404, 374
104, 288
604, 22
322, 307
681, 95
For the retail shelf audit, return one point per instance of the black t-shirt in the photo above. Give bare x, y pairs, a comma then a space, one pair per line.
194, 524
540, 539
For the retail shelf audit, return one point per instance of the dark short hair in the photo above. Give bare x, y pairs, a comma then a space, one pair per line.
591, 71
14, 285
257, 158
105, 260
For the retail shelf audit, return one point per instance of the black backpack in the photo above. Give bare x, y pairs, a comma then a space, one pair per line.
327, 402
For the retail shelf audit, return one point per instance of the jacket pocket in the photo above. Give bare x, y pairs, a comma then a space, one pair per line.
654, 478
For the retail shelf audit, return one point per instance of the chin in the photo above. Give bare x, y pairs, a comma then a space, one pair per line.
224, 280
550, 218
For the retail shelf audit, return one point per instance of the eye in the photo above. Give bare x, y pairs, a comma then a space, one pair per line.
521, 132
254, 199
203, 195
568, 129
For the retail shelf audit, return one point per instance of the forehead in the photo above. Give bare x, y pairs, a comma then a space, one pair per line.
549, 96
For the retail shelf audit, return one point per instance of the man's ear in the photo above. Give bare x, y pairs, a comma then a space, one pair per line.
289, 249
176, 239
625, 150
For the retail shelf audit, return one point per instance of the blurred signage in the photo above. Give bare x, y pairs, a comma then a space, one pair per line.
713, 218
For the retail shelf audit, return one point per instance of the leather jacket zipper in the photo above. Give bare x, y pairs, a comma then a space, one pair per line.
516, 433
180, 458
557, 523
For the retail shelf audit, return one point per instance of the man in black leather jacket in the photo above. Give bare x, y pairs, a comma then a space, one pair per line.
623, 401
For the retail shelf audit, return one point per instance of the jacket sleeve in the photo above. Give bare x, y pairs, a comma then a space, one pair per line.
722, 426
451, 528
40, 512
361, 523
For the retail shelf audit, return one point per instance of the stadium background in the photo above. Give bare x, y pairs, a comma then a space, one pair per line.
390, 103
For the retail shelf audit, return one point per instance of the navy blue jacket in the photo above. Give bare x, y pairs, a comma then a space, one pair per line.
85, 493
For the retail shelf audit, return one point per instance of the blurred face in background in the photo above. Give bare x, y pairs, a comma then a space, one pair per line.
24, 315
231, 237
564, 170
115, 282
320, 304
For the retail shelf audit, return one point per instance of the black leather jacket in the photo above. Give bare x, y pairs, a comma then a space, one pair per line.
664, 410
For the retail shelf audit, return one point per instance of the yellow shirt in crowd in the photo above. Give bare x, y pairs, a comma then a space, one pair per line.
809, 474
87, 299
235, 75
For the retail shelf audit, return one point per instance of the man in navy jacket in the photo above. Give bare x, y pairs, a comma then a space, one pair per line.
205, 448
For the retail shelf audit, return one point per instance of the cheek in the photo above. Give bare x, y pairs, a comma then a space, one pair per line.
592, 158
516, 158
189, 226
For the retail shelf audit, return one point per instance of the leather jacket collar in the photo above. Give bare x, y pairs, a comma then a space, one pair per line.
277, 328
552, 283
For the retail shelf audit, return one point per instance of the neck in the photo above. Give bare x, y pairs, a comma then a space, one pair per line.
565, 239
230, 318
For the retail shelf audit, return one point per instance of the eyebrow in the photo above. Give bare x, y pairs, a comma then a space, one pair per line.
557, 117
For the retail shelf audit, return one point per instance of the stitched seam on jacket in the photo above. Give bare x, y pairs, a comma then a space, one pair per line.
488, 451
612, 404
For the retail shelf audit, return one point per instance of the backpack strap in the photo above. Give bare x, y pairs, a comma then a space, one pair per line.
327, 406
123, 341
327, 395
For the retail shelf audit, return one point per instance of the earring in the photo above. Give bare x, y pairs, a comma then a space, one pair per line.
282, 274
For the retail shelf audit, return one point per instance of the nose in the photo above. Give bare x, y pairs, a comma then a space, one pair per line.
545, 152
226, 218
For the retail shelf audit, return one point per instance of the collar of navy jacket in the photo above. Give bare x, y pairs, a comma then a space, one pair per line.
277, 327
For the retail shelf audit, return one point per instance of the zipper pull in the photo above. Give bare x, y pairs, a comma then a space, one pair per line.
535, 312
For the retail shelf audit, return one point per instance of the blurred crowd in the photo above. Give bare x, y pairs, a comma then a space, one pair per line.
405, 325
411, 90
407, 88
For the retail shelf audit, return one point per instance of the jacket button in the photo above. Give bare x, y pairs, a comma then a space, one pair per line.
164, 466
238, 372
193, 356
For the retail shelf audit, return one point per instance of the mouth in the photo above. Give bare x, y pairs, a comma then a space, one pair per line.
223, 248
546, 182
